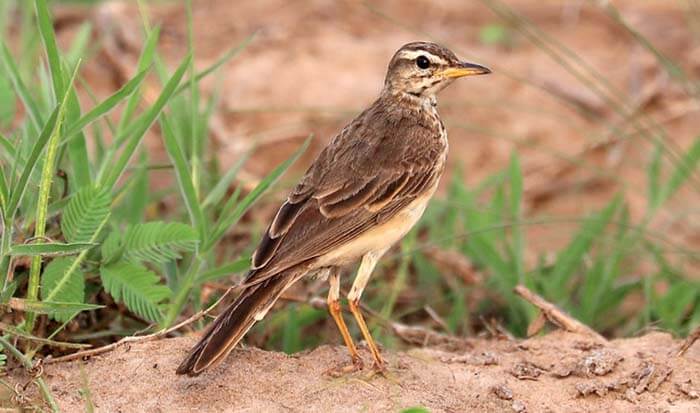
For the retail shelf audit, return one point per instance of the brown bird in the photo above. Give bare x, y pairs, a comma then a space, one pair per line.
364, 192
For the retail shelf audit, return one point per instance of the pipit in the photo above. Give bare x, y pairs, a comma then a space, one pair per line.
364, 192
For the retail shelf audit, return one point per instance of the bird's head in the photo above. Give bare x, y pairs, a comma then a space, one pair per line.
422, 69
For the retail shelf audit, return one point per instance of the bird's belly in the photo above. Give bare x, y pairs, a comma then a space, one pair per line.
380, 237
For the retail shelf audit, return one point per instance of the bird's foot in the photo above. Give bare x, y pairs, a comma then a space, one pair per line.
344, 369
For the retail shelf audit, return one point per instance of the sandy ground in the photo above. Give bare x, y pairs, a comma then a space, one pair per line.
560, 372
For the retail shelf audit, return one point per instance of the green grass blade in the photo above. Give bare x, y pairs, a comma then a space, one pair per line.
79, 173
7, 146
219, 190
219, 62
106, 106
12, 331
49, 38
12, 71
142, 124
4, 192
184, 179
226, 221
569, 259
145, 61
653, 180
50, 249
516, 195
20, 187
8, 102
684, 169
241, 264
78, 47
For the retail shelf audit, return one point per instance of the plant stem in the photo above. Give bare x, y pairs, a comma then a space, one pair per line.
183, 291
41, 210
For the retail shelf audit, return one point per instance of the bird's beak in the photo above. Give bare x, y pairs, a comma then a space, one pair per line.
465, 69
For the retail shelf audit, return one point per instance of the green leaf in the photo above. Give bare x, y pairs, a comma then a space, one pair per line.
49, 307
71, 290
184, 178
137, 287
136, 131
49, 249
158, 242
84, 214
224, 271
226, 221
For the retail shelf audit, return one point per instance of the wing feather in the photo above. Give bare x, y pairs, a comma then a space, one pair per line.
353, 185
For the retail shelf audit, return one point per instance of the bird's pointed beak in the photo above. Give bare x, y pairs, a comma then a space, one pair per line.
465, 69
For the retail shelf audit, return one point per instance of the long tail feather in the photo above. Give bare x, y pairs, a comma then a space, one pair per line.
233, 323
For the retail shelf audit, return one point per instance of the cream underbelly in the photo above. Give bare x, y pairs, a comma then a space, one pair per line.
378, 238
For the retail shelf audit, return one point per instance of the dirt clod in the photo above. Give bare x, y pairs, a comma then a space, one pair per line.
526, 370
687, 389
502, 391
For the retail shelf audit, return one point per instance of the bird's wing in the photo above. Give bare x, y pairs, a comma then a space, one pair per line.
363, 178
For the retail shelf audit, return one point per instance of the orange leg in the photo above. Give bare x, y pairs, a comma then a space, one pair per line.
369, 261
337, 314
355, 310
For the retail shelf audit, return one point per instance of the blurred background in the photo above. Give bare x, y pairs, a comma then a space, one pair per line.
573, 168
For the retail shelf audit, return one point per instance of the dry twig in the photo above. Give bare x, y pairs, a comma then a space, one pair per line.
556, 315
689, 341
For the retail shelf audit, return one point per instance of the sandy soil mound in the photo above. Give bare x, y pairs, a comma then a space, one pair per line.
560, 372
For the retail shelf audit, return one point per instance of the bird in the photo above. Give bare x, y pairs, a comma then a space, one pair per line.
364, 191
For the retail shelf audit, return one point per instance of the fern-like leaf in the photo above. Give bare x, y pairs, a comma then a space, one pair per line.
84, 214
158, 242
112, 247
69, 289
137, 287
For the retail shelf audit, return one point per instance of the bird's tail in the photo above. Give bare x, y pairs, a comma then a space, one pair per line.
234, 322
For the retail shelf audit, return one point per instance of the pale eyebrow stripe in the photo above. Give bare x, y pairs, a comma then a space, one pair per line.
412, 54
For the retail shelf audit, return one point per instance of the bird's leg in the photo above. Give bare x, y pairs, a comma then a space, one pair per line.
337, 314
369, 261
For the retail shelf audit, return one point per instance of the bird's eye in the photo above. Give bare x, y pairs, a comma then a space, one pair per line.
422, 62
